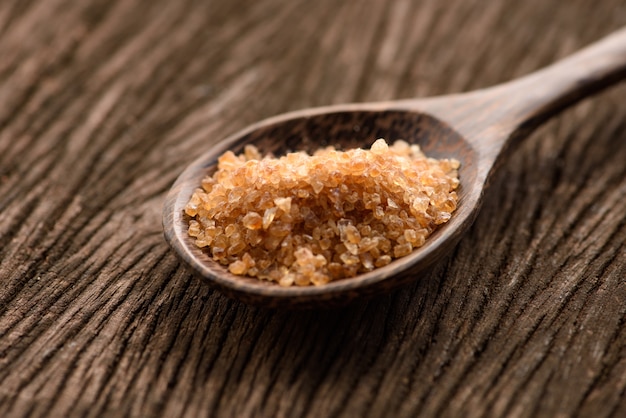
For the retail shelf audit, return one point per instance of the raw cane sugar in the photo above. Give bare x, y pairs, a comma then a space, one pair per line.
305, 219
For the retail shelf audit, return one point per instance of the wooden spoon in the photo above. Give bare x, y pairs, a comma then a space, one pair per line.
477, 128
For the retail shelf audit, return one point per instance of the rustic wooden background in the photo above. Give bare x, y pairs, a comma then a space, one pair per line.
102, 104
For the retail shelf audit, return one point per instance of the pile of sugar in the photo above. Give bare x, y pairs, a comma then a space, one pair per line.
309, 219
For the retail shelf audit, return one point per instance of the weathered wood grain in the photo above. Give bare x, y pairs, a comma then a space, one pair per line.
102, 103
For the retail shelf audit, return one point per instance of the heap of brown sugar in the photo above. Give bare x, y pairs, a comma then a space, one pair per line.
309, 219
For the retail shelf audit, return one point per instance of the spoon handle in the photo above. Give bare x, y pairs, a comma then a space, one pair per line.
493, 118
540, 95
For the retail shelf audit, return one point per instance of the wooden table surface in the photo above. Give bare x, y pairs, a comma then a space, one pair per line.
103, 103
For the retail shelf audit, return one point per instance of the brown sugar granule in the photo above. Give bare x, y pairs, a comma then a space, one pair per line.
309, 219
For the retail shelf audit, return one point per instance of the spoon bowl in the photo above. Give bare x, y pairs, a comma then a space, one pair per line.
476, 128
345, 129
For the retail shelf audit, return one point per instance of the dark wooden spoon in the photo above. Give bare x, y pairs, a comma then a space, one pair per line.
477, 128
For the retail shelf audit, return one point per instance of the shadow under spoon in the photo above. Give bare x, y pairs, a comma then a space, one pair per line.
478, 128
